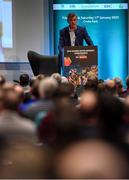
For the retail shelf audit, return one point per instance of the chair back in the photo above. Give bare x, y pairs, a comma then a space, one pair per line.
43, 64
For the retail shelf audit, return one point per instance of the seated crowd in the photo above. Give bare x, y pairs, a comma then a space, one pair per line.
58, 127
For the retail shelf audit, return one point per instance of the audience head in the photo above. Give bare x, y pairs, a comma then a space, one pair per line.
66, 122
65, 90
110, 86
19, 90
57, 77
24, 79
35, 89
127, 81
88, 100
47, 87
111, 111
10, 100
2, 80
118, 80
119, 85
32, 80
1, 99
127, 100
8, 86
40, 77
101, 87
91, 83
89, 107
90, 159
64, 79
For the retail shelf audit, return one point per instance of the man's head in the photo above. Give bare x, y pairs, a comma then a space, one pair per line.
24, 79
127, 81
47, 87
91, 159
72, 20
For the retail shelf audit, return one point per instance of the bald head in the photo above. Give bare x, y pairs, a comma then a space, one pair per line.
91, 159
88, 100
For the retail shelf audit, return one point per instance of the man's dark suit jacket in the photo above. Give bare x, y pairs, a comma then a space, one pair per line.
80, 34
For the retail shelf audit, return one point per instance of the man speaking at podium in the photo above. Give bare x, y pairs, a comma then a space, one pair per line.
72, 35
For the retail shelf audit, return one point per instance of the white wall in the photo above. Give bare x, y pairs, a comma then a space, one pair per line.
28, 26
30, 32
30, 29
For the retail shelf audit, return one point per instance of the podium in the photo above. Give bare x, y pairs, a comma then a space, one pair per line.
79, 58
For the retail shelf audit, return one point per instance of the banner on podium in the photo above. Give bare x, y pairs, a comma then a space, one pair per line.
80, 59
80, 62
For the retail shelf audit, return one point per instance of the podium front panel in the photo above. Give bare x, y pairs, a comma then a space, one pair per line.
79, 58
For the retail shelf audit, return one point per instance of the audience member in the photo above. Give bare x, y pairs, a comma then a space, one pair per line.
89, 110
88, 136
60, 126
2, 80
91, 159
127, 86
12, 125
47, 89
111, 112
57, 77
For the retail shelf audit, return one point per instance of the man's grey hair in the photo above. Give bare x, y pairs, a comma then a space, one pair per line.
57, 77
47, 87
